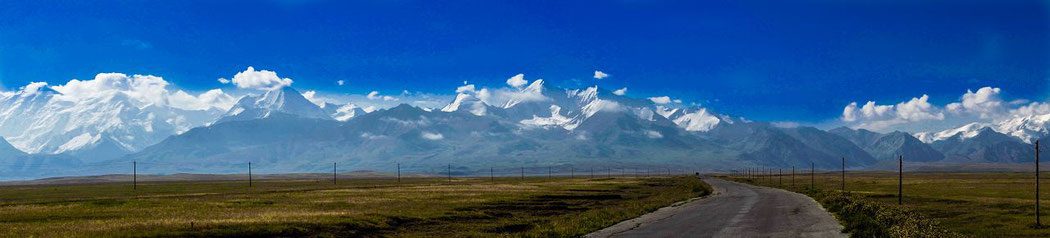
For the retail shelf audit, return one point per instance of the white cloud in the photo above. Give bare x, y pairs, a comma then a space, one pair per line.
142, 90
653, 134
517, 81
621, 91
224, 81
214, 98
312, 97
261, 80
374, 95
340, 82
600, 75
469, 88
432, 136
985, 103
33, 87
661, 100
877, 117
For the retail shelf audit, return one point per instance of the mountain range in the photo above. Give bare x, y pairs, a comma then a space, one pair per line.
535, 126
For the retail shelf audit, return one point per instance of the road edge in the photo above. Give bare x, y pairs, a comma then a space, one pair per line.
659, 214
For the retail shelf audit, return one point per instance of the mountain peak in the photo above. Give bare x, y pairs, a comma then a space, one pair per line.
285, 100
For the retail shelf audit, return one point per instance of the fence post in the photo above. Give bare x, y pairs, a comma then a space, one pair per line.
134, 175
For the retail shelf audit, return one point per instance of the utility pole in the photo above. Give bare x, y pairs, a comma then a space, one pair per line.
792, 176
781, 177
491, 177
134, 175
335, 177
398, 172
249, 174
900, 179
812, 178
1037, 221
523, 173
843, 174
449, 173
592, 172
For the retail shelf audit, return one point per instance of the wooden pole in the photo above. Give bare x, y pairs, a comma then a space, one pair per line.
900, 179
449, 173
249, 174
843, 174
398, 172
335, 177
1038, 222
491, 177
135, 175
812, 177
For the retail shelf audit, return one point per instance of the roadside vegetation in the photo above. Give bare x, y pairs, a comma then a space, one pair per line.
419, 207
935, 204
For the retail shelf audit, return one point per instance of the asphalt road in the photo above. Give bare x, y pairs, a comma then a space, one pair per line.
734, 210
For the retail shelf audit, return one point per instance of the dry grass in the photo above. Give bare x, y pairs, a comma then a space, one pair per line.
983, 204
419, 207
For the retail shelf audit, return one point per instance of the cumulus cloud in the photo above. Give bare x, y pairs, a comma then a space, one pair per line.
985, 103
621, 91
661, 100
517, 81
340, 82
432, 136
600, 75
223, 81
142, 90
261, 80
876, 117
374, 95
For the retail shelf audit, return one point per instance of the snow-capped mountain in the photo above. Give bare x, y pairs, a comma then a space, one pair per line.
545, 106
964, 132
1026, 128
343, 112
110, 115
285, 100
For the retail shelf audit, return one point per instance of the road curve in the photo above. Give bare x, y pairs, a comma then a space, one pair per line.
734, 210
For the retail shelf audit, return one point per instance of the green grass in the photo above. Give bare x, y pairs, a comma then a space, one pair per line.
981, 204
421, 207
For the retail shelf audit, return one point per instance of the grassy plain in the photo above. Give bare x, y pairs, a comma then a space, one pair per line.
418, 207
982, 204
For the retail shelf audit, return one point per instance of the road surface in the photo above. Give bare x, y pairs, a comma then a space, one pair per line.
734, 210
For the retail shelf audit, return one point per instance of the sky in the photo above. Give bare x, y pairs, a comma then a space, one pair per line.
802, 62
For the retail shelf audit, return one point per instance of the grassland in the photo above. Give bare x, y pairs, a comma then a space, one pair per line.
419, 207
981, 204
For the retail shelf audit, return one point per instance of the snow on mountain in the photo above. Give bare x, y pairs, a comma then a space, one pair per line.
1027, 128
284, 100
470, 103
545, 106
131, 112
964, 132
343, 112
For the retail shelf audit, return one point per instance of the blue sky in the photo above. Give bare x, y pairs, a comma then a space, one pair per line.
767, 60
